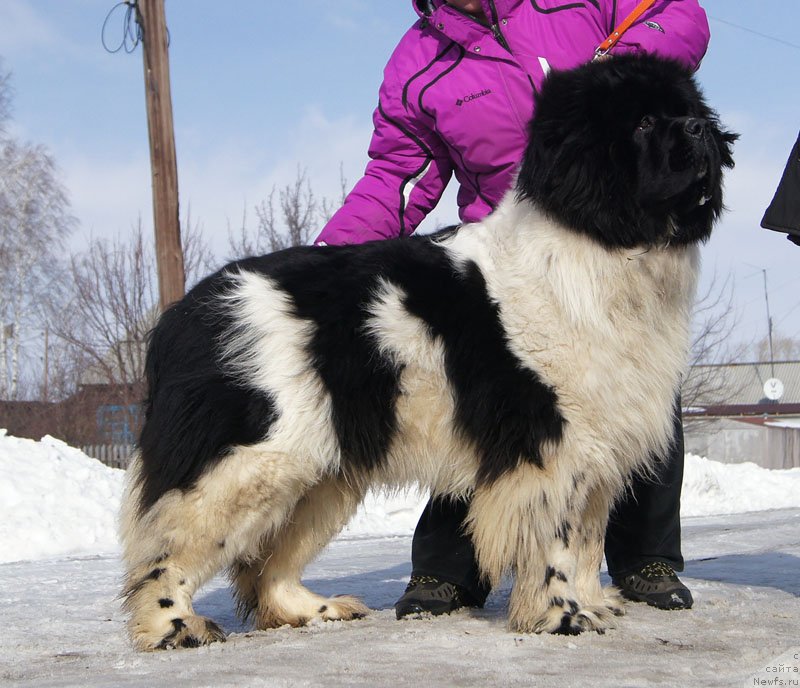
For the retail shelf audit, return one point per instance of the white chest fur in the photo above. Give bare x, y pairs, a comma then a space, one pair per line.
607, 329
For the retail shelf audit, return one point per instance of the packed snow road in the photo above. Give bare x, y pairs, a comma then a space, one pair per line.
62, 626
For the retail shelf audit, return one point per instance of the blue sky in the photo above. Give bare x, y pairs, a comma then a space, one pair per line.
259, 88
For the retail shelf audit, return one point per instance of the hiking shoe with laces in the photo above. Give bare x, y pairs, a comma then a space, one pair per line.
426, 594
657, 584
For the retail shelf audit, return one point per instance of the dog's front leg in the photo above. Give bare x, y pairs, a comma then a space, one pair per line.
570, 588
545, 597
588, 544
530, 523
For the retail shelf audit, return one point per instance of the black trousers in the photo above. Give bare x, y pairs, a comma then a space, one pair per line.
645, 526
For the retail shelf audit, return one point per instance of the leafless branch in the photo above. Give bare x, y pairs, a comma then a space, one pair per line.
714, 321
288, 216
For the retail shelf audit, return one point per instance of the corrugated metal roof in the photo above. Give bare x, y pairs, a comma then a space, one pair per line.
741, 383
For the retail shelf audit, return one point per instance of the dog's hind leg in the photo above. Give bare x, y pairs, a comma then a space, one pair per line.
174, 546
269, 587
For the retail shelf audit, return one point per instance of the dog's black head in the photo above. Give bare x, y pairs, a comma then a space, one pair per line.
627, 151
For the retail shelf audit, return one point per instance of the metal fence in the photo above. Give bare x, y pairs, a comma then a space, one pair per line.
114, 455
731, 441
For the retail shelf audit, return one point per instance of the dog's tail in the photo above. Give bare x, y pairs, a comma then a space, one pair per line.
195, 412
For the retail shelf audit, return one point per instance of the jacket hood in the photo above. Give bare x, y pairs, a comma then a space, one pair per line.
424, 8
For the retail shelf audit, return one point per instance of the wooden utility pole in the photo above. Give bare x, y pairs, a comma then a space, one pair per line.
169, 255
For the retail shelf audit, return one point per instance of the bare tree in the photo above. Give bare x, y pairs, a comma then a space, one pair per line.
113, 304
34, 224
329, 207
198, 258
293, 220
5, 98
783, 348
711, 348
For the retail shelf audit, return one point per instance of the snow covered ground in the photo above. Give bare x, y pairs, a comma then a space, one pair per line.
61, 624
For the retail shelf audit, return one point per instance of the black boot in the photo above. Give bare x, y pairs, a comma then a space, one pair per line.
657, 584
426, 594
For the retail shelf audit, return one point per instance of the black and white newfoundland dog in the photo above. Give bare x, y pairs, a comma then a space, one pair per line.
529, 362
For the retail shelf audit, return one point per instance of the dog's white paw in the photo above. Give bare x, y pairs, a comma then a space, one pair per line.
343, 608
613, 600
339, 608
567, 617
183, 631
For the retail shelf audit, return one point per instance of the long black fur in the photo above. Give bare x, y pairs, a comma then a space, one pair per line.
194, 413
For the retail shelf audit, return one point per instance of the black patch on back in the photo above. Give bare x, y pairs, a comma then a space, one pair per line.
503, 408
332, 287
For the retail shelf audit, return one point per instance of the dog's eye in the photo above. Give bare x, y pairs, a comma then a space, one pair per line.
648, 122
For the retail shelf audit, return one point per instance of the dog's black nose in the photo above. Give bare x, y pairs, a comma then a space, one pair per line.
695, 127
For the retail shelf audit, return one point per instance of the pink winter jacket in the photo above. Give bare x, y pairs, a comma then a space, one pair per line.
456, 98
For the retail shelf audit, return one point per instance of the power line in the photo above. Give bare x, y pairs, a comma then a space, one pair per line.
780, 286
757, 33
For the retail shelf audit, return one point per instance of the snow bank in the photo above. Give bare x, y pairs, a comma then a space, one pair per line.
711, 488
387, 514
55, 500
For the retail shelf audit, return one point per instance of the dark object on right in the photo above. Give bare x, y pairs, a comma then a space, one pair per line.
783, 213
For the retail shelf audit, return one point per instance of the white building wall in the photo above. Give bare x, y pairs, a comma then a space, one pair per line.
732, 441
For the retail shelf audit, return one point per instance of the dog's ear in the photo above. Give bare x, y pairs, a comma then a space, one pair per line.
723, 138
725, 141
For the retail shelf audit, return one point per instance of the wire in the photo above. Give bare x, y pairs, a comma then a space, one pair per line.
788, 313
757, 33
131, 27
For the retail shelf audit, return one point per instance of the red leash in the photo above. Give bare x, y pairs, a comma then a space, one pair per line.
621, 28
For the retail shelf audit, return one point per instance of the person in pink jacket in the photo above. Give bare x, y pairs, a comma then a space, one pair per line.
457, 94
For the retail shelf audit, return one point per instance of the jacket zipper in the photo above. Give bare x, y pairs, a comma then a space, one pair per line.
493, 27
499, 37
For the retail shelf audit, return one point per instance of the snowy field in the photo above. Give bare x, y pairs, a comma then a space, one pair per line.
61, 624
